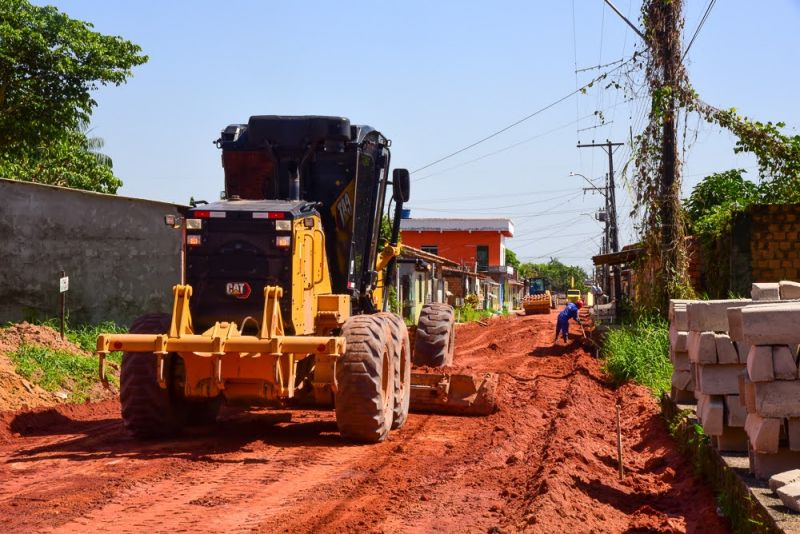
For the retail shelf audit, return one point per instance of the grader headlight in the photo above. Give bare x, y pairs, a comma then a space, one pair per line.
283, 241
283, 226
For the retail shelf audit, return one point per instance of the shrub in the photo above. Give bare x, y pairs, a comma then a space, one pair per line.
639, 352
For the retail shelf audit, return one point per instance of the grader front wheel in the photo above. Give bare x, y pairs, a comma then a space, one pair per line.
365, 381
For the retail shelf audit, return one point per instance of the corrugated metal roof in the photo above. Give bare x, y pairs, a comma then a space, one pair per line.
431, 224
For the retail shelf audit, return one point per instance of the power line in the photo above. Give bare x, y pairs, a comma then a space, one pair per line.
553, 236
699, 27
494, 153
571, 194
514, 145
600, 66
483, 197
549, 254
523, 119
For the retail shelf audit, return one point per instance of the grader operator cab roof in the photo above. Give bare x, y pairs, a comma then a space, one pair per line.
286, 133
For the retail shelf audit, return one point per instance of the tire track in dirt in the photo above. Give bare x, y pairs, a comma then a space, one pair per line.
544, 462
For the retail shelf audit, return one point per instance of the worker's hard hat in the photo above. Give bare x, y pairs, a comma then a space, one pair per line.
579, 304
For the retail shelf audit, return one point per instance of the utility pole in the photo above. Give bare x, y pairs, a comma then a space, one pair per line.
668, 38
664, 42
612, 232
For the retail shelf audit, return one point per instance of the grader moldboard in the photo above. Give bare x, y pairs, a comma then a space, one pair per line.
282, 299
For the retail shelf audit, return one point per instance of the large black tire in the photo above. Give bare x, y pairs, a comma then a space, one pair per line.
365, 380
148, 411
434, 341
401, 354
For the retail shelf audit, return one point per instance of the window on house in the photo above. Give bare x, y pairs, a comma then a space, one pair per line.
430, 249
482, 257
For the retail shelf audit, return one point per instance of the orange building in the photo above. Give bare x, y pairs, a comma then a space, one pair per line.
477, 244
474, 243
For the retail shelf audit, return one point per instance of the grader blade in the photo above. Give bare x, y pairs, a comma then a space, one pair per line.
455, 394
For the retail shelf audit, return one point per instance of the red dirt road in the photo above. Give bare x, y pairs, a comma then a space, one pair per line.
545, 462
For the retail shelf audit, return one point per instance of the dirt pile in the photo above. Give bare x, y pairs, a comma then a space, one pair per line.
17, 393
13, 336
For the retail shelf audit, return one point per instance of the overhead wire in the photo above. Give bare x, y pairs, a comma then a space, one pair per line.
501, 195
521, 120
699, 27
551, 253
505, 148
571, 194
575, 65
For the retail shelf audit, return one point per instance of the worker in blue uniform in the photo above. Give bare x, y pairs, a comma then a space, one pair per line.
570, 311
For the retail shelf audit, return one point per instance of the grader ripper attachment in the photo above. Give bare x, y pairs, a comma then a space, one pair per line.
281, 301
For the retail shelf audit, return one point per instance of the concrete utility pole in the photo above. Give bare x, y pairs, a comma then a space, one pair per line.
611, 212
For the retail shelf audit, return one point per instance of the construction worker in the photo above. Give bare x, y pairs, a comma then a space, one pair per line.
570, 311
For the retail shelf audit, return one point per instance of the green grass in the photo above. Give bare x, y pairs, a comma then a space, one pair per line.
639, 352
57, 370
467, 314
85, 335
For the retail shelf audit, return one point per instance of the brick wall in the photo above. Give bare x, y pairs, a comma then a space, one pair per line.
774, 245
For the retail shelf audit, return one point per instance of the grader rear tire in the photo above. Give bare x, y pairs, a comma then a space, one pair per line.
401, 354
365, 381
148, 411
434, 342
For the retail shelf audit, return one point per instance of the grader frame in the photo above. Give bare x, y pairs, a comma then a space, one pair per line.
256, 368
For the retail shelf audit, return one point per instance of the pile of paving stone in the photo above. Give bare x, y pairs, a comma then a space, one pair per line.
739, 359
717, 363
770, 386
682, 369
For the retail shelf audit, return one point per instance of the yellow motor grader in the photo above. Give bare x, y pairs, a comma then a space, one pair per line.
283, 299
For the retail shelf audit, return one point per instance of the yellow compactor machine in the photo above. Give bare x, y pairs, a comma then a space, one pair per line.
282, 300
539, 299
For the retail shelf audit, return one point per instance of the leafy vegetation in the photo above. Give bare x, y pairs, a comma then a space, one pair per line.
57, 370
714, 200
512, 259
49, 66
467, 314
639, 352
558, 274
85, 335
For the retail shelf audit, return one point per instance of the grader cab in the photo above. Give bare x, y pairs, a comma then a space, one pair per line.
282, 300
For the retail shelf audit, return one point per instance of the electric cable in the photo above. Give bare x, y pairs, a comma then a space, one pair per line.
523, 119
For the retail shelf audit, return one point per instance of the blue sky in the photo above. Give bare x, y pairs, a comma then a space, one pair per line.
433, 77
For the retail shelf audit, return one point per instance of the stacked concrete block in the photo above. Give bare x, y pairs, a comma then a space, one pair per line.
718, 365
765, 291
770, 389
786, 486
789, 290
683, 373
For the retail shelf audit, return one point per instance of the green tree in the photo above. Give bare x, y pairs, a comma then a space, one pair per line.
49, 66
512, 260
558, 274
714, 200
